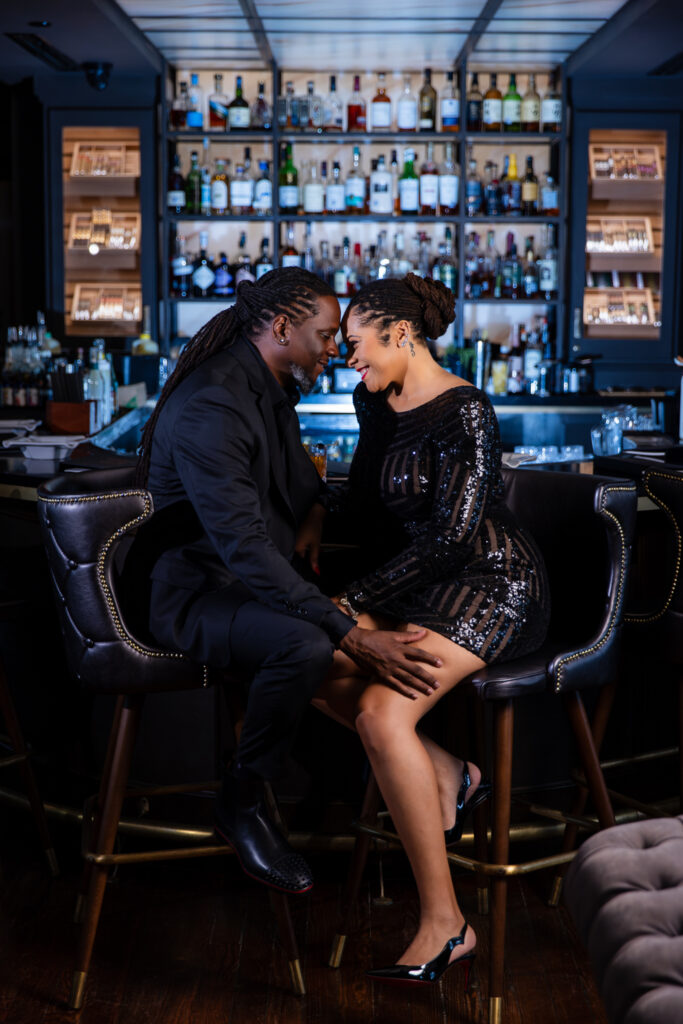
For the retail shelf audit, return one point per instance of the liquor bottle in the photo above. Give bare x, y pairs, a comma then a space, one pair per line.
551, 107
238, 110
489, 267
531, 107
195, 106
530, 271
288, 191
449, 183
492, 191
224, 284
241, 192
475, 104
244, 268
263, 191
181, 271
218, 106
533, 353
493, 106
549, 197
335, 195
344, 272
429, 184
381, 197
547, 266
193, 185
93, 389
205, 173
450, 105
529, 190
512, 270
512, 107
313, 191
203, 272
354, 186
261, 110
355, 110
408, 186
264, 263
513, 189
175, 197
219, 189
393, 167
290, 254
424, 259
515, 382
314, 121
445, 268
333, 109
178, 112
380, 108
285, 105
472, 277
473, 189
325, 265
427, 104
407, 108
308, 256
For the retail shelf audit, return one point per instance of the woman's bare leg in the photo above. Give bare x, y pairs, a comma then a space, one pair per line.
387, 725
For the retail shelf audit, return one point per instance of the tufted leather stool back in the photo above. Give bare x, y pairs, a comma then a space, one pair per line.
625, 893
85, 517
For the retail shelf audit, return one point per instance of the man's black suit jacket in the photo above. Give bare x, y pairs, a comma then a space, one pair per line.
231, 484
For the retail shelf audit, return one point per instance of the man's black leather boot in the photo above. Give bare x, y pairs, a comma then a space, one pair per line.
243, 821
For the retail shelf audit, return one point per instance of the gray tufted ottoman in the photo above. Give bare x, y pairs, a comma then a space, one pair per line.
625, 893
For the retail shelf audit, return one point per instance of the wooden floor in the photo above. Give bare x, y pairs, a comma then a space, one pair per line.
194, 942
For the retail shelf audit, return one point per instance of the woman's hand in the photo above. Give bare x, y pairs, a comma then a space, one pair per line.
309, 537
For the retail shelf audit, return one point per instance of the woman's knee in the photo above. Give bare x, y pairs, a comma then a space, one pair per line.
378, 726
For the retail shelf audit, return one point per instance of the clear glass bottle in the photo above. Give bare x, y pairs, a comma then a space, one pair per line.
218, 106
290, 253
472, 277
381, 193
316, 114
429, 184
205, 171
551, 107
355, 185
238, 109
178, 111
475, 105
491, 259
407, 109
219, 189
261, 110
512, 107
493, 106
195, 105
241, 192
325, 264
93, 389
450, 105
530, 190
380, 108
449, 183
492, 190
513, 189
355, 110
474, 192
313, 191
530, 273
547, 266
263, 191
427, 121
244, 268
181, 270
531, 107
224, 283
285, 107
193, 185
549, 197
333, 109
445, 268
264, 263
344, 272
409, 186
335, 194
288, 190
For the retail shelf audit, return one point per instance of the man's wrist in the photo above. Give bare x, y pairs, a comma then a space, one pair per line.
347, 607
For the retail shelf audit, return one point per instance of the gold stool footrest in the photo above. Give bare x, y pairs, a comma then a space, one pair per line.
77, 990
337, 951
297, 977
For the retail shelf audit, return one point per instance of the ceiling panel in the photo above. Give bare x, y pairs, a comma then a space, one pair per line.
597, 10
387, 10
189, 9
353, 52
533, 42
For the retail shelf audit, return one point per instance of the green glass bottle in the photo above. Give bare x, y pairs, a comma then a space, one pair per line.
512, 108
409, 185
193, 186
288, 185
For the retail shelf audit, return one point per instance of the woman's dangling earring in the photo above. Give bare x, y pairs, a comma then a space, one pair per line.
408, 341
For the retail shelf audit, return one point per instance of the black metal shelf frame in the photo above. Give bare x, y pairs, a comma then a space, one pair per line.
461, 140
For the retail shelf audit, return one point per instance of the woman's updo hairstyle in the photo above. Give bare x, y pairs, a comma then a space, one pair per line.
428, 306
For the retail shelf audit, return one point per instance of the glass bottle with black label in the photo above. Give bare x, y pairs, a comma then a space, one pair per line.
427, 121
475, 103
335, 193
175, 197
381, 196
264, 263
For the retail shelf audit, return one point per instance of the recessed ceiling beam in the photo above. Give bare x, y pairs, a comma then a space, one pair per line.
488, 12
256, 26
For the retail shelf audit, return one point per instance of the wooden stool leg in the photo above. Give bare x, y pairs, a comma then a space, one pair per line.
115, 786
19, 746
481, 814
500, 846
91, 834
589, 758
599, 727
361, 848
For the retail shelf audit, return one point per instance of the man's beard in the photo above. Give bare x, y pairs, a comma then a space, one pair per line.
304, 383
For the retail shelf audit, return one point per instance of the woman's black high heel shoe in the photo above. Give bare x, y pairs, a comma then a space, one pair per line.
464, 807
429, 973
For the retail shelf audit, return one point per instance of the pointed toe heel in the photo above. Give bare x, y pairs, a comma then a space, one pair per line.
464, 808
428, 973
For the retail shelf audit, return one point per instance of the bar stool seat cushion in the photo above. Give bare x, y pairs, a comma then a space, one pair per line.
625, 893
513, 678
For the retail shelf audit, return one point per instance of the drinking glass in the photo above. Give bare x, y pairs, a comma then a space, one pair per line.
318, 455
606, 439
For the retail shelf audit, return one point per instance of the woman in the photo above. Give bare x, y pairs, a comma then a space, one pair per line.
426, 492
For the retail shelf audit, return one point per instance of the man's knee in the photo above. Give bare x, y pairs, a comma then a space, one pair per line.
305, 647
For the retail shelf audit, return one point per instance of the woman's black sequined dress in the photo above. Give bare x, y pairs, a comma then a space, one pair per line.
425, 494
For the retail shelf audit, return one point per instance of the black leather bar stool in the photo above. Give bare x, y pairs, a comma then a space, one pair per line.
10, 609
84, 518
584, 527
658, 626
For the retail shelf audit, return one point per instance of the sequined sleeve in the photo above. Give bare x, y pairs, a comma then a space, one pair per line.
462, 460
